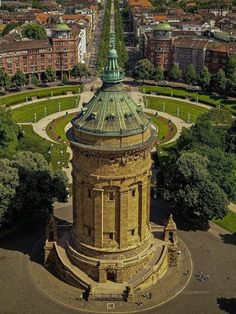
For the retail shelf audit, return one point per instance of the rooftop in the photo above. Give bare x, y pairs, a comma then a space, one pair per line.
112, 112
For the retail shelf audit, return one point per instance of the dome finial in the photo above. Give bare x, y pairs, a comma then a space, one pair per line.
112, 72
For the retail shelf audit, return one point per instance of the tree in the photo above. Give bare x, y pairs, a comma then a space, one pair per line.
65, 79
9, 27
37, 184
80, 70
34, 80
196, 198
19, 78
144, 69
222, 168
158, 74
8, 133
204, 78
9, 181
231, 138
60, 183
230, 69
204, 132
50, 74
231, 86
175, 73
34, 31
5, 80
190, 74
218, 82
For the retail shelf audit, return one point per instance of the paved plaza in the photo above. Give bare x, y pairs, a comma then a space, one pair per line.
210, 255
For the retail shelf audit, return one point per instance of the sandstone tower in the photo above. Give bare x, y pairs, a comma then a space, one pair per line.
111, 245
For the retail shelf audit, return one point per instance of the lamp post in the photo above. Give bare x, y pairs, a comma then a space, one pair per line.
35, 117
59, 107
178, 112
76, 103
45, 111
189, 116
164, 107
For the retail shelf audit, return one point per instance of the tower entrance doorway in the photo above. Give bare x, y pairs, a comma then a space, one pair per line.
111, 275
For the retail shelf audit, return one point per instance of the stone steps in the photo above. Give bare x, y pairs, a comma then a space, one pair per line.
75, 271
147, 269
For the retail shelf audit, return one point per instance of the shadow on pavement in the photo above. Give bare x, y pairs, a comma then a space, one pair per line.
227, 305
229, 239
25, 237
159, 211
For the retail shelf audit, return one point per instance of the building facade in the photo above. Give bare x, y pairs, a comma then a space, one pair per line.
159, 46
111, 239
34, 56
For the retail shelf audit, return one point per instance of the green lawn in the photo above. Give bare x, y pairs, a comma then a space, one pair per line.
20, 97
27, 112
194, 96
163, 129
58, 127
53, 152
228, 222
187, 112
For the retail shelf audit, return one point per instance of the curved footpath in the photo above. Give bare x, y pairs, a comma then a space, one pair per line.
40, 126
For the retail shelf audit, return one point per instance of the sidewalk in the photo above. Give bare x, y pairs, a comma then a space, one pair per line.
138, 95
42, 99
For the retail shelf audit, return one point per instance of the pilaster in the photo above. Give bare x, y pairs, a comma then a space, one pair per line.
124, 206
142, 209
98, 217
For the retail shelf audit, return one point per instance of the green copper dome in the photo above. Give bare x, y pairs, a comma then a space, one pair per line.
163, 26
62, 27
112, 112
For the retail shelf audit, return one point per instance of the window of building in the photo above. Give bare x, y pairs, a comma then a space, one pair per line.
111, 236
133, 192
132, 231
111, 196
89, 193
89, 232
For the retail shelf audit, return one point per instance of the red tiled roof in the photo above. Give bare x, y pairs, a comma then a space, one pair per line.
190, 43
29, 44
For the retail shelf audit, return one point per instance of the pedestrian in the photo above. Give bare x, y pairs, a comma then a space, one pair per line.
141, 302
156, 113
187, 272
201, 276
150, 295
207, 276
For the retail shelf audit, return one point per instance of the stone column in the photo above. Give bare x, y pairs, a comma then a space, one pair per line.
98, 217
148, 201
142, 209
124, 207
78, 211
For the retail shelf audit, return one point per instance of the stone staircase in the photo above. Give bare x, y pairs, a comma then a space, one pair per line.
147, 269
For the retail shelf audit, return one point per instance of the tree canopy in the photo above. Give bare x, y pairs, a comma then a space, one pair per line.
175, 73
8, 133
190, 74
50, 74
80, 70
34, 31
19, 79
196, 197
144, 69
